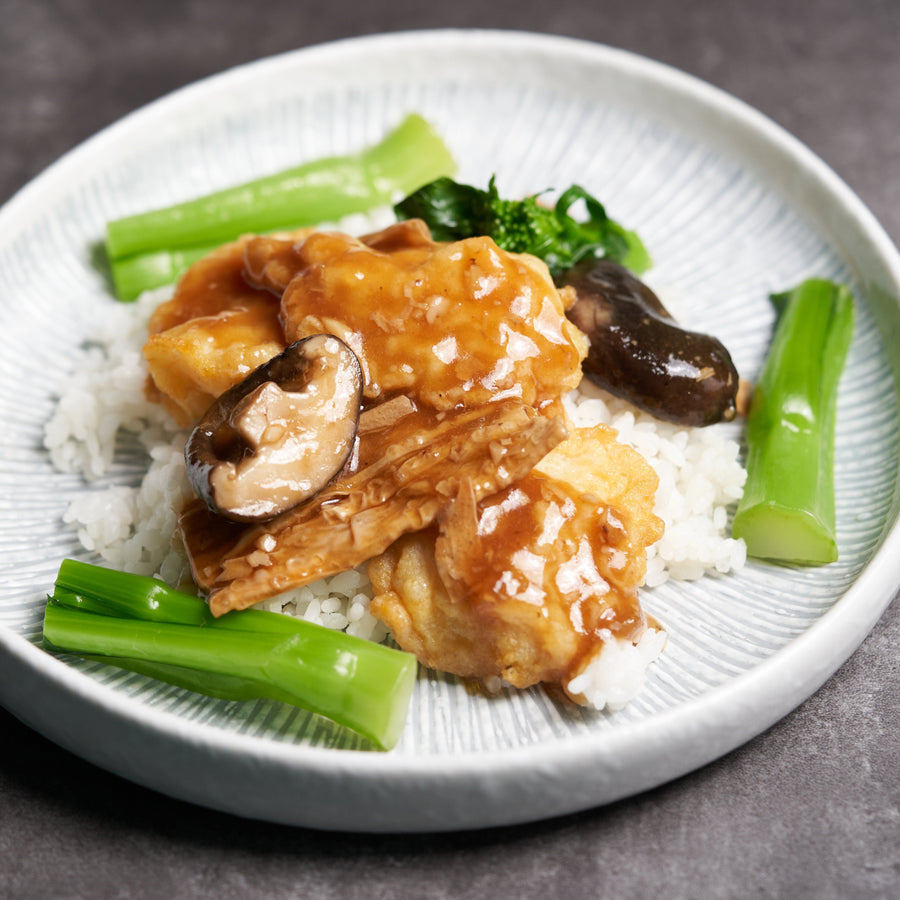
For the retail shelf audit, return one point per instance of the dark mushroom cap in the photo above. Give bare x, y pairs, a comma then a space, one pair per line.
640, 353
281, 435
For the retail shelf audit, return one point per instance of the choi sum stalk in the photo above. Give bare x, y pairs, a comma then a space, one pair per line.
787, 511
153, 248
142, 624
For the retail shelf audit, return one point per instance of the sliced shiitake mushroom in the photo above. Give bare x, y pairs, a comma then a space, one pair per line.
640, 353
281, 435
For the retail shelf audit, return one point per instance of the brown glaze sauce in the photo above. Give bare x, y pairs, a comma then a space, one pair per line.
215, 330
449, 325
542, 543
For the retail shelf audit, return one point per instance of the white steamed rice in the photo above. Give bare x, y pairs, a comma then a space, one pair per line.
133, 527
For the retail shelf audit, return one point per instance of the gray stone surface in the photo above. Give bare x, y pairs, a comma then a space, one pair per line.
811, 808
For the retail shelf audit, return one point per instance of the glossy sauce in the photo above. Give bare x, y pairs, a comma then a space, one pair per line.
450, 325
544, 554
542, 543
214, 331
358, 515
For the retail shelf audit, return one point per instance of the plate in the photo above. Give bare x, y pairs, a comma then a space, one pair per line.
732, 208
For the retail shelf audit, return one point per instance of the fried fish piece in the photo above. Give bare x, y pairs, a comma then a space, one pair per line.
210, 335
447, 324
529, 583
410, 472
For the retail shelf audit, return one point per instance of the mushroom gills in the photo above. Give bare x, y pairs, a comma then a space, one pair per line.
640, 353
281, 435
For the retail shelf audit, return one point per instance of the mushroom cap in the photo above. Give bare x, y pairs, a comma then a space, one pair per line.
639, 352
280, 435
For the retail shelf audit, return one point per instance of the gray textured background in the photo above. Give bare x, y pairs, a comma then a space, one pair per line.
811, 808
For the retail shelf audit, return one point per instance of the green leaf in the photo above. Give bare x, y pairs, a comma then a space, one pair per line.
455, 211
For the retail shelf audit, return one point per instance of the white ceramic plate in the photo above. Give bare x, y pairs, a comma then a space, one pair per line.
732, 208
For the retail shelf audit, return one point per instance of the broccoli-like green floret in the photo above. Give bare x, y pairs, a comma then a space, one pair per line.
456, 211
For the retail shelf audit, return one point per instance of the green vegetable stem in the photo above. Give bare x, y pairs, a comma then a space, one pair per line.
454, 211
153, 248
787, 510
144, 625
133, 275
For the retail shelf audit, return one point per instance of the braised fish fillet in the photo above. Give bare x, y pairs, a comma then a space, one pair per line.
459, 324
210, 335
528, 583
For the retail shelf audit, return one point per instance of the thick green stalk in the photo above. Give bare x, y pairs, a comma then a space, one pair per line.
146, 626
323, 190
223, 687
132, 275
787, 510
96, 589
